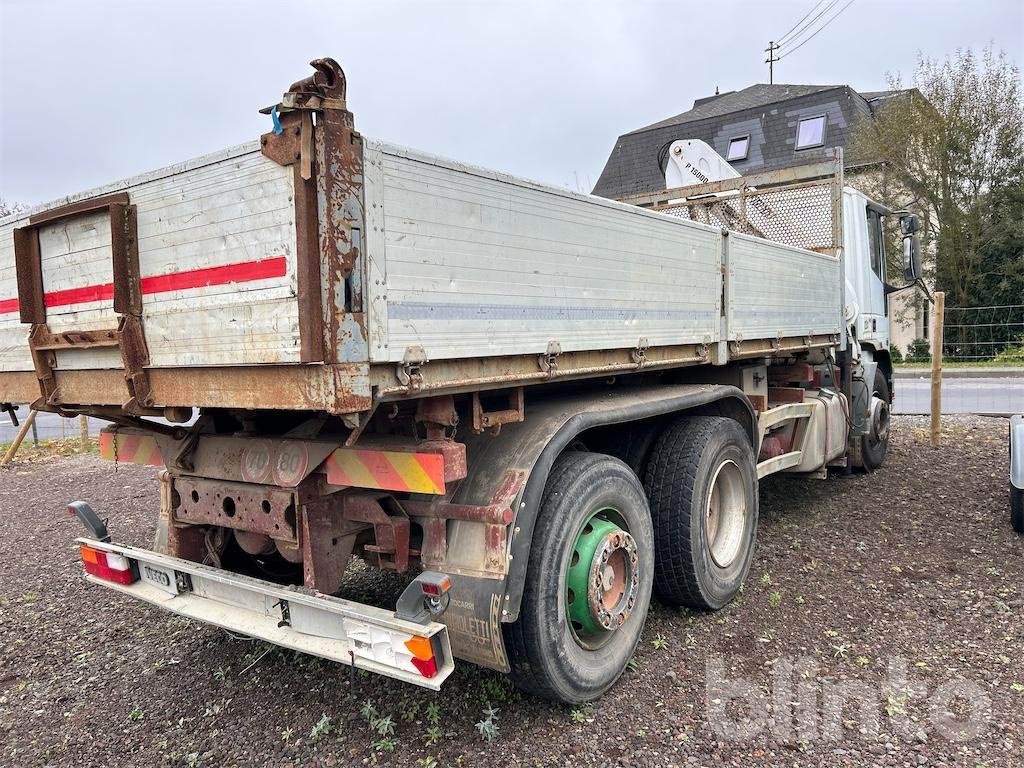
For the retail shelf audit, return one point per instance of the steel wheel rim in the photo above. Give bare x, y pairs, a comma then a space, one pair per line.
602, 578
879, 420
725, 514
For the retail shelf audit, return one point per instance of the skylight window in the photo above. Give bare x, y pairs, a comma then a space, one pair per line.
810, 132
738, 148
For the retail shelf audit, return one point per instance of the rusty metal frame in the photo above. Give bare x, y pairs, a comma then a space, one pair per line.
292, 147
127, 302
329, 178
494, 419
264, 509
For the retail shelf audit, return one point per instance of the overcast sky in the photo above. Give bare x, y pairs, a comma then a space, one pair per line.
94, 90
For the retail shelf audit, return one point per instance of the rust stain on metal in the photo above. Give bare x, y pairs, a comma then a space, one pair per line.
261, 509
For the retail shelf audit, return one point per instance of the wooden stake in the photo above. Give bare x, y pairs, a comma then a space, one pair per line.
26, 425
83, 431
938, 311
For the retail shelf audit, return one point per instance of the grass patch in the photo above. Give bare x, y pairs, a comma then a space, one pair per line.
50, 449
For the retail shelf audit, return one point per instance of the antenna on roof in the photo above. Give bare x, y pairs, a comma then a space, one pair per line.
770, 61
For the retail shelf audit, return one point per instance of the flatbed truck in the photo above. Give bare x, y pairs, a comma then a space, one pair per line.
544, 407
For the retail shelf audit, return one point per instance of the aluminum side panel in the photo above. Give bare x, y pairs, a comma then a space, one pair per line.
14, 353
776, 290
476, 264
216, 245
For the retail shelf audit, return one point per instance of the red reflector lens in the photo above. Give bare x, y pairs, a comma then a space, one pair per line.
96, 564
427, 667
436, 588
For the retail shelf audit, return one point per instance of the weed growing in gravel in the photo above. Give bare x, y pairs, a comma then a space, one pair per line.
659, 642
220, 675
321, 729
408, 709
434, 734
633, 665
426, 762
488, 727
286, 735
136, 714
433, 713
498, 688
582, 714
775, 599
1017, 687
766, 579
385, 726
841, 651
368, 711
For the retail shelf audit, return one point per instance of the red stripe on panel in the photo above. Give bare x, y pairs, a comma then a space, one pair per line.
242, 272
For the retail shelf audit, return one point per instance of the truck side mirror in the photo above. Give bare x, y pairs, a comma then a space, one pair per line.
909, 224
911, 257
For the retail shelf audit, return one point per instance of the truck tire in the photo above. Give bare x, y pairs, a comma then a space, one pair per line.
588, 582
875, 444
701, 483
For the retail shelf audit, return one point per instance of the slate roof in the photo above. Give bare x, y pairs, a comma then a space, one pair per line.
767, 113
735, 101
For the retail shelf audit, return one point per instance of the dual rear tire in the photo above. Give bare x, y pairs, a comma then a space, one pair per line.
604, 541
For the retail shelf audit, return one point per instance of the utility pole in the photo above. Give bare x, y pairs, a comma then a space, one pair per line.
770, 61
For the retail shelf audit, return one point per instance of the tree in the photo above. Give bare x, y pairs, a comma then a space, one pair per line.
952, 148
6, 209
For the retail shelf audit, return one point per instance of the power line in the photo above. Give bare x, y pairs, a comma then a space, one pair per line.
809, 24
817, 31
781, 39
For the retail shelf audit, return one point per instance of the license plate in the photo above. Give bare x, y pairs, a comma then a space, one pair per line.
163, 578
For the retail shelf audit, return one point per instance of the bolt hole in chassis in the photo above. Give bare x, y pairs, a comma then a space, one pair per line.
391, 369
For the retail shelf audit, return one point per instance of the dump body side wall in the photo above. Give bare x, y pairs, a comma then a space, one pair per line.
216, 247
467, 263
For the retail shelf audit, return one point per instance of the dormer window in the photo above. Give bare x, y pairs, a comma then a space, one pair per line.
738, 148
810, 132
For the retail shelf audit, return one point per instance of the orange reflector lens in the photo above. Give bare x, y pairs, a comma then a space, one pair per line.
420, 647
90, 555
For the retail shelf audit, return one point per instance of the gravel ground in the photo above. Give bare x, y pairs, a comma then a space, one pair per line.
900, 592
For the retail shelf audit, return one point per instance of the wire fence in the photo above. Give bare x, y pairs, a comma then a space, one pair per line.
977, 334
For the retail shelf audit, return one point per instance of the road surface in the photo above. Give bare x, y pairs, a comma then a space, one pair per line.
961, 395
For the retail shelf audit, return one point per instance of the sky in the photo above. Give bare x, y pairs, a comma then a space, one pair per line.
95, 91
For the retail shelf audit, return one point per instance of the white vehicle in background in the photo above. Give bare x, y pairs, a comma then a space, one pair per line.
552, 404
1017, 472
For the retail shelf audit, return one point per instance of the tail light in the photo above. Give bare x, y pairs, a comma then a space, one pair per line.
109, 566
411, 653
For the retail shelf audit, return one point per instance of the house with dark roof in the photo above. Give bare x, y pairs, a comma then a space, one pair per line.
760, 128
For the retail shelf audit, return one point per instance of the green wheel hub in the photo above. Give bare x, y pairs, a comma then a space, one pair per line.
602, 577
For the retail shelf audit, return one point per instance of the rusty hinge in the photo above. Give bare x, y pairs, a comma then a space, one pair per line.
639, 353
548, 361
494, 419
409, 372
